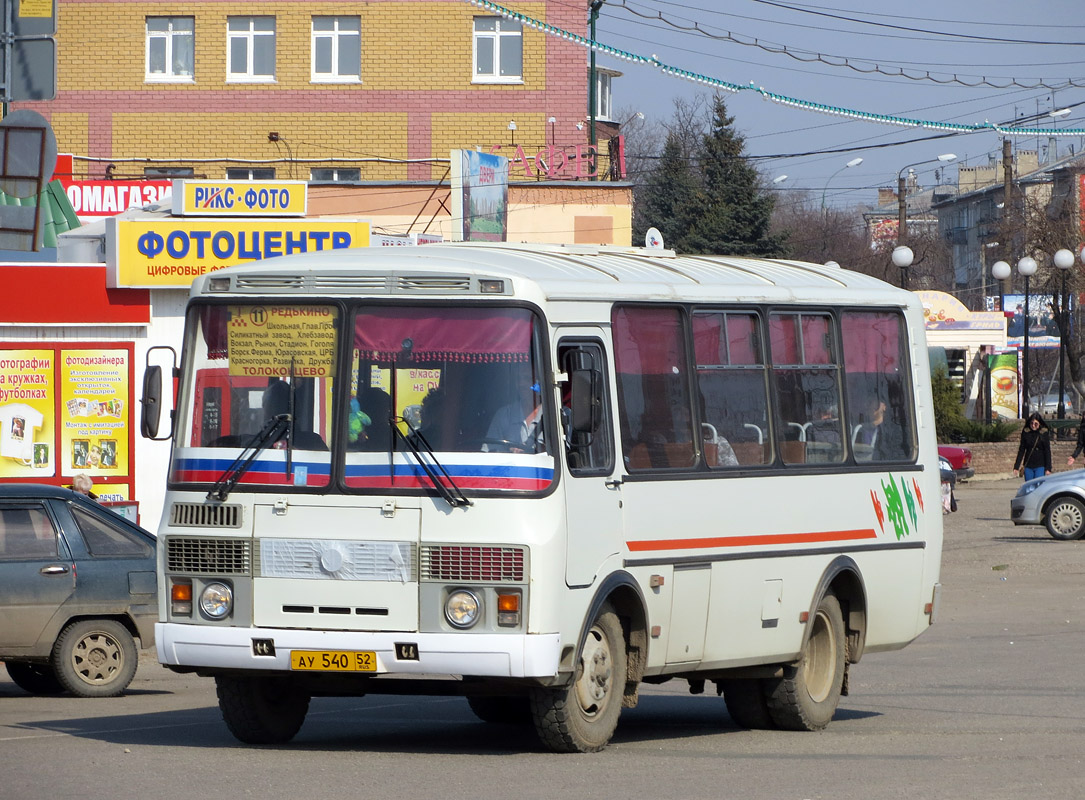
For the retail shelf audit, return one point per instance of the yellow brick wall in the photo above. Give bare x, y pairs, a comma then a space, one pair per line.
73, 135
245, 136
405, 46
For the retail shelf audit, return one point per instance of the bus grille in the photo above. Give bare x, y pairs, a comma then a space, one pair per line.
200, 515
469, 563
208, 556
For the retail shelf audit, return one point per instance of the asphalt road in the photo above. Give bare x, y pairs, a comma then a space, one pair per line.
987, 704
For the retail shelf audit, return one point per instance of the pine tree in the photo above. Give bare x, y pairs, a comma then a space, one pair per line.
709, 201
670, 195
735, 211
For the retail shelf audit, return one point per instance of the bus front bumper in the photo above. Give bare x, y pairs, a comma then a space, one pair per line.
461, 654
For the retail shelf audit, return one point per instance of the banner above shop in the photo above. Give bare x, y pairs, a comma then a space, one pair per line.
162, 253
239, 198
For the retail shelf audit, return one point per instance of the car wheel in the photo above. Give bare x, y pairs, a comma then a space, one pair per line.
747, 705
805, 698
261, 710
1066, 519
581, 717
501, 710
95, 658
34, 678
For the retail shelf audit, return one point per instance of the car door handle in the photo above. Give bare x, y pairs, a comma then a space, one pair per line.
54, 569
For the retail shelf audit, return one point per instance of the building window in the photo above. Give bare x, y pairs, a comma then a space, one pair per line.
602, 96
158, 173
259, 174
336, 175
250, 43
337, 49
170, 48
499, 51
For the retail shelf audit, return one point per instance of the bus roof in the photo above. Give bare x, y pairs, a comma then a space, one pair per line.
560, 272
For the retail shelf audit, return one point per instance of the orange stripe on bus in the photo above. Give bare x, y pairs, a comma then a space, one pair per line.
746, 541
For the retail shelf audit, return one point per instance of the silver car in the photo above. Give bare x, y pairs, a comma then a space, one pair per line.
77, 589
1056, 501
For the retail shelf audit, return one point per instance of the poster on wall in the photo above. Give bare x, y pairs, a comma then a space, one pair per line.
480, 196
94, 392
27, 398
1004, 385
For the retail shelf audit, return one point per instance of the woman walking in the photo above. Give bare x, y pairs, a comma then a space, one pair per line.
1034, 453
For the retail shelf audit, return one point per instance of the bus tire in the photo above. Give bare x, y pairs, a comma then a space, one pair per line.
805, 699
747, 705
1066, 519
261, 710
581, 716
502, 710
95, 658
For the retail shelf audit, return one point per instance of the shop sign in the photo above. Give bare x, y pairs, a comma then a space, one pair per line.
108, 198
171, 252
240, 198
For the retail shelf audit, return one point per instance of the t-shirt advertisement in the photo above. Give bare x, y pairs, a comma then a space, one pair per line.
27, 400
65, 411
94, 410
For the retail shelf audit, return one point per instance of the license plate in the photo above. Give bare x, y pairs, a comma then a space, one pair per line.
334, 660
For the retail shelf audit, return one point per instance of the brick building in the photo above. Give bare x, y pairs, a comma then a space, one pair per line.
323, 91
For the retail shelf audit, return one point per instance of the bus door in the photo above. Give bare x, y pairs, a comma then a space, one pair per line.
592, 496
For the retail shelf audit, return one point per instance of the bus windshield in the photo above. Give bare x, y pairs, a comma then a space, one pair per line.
456, 387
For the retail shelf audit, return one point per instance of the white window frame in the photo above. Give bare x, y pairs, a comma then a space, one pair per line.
496, 37
604, 105
172, 39
339, 40
336, 177
249, 37
250, 171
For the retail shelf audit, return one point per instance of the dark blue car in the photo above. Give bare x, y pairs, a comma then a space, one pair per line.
77, 591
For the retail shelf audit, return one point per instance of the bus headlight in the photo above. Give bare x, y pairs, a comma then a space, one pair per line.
462, 609
216, 600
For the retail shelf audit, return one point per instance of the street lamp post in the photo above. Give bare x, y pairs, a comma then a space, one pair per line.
903, 257
902, 193
1064, 259
1027, 267
853, 163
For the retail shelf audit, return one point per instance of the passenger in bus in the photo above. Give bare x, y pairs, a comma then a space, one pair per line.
882, 433
433, 424
824, 439
376, 404
518, 425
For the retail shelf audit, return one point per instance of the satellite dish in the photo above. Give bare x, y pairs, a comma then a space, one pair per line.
653, 239
28, 153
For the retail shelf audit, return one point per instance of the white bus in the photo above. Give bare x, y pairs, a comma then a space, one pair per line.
540, 476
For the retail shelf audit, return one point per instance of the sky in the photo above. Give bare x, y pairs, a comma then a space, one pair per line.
1042, 42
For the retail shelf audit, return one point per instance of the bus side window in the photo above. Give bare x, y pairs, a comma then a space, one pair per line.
881, 415
589, 447
731, 381
807, 380
650, 362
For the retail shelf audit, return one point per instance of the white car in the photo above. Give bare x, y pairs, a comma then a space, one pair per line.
1048, 404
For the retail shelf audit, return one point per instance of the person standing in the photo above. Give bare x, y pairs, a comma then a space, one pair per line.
1034, 452
1080, 442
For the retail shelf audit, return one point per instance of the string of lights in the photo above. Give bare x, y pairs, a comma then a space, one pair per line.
785, 100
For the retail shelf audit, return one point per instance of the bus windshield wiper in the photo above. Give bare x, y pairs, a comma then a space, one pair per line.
433, 468
272, 431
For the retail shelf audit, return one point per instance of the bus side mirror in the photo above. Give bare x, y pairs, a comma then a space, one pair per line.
151, 402
585, 400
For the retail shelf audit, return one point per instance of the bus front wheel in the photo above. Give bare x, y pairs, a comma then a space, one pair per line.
581, 717
805, 699
261, 710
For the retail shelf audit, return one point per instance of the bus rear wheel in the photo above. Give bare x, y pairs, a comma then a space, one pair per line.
805, 699
581, 717
261, 710
747, 705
